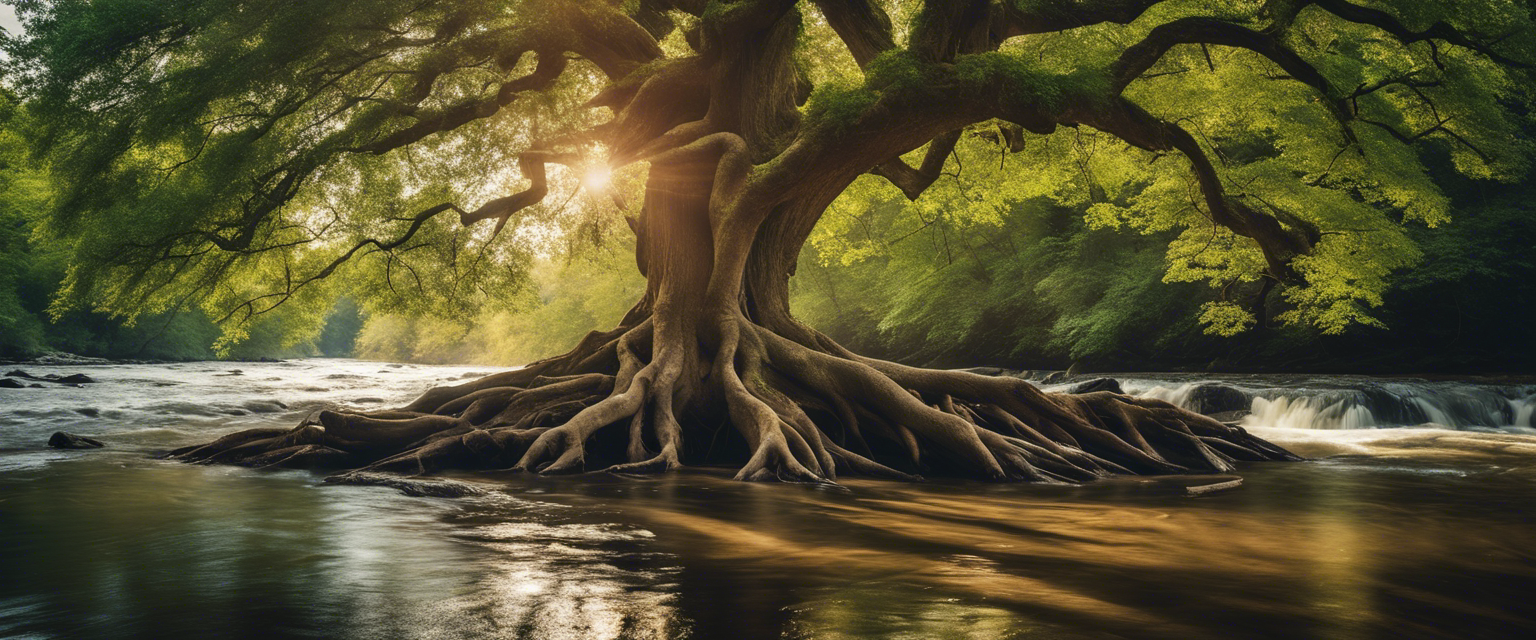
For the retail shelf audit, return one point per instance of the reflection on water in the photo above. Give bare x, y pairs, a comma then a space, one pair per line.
1390, 533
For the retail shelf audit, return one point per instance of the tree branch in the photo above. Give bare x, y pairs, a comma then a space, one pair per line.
862, 25
1441, 30
913, 182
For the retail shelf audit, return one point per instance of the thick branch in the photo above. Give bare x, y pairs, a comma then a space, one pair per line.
1133, 124
1441, 30
862, 25
1140, 57
532, 164
1015, 18
913, 182
944, 28
550, 65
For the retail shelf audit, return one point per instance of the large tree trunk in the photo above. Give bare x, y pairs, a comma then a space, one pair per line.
705, 373
710, 367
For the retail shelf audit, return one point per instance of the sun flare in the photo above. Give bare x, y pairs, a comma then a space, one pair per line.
597, 178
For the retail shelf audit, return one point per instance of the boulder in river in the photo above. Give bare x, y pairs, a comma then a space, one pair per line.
1212, 398
1229, 417
71, 379
1054, 377
1097, 384
7, 383
409, 486
62, 440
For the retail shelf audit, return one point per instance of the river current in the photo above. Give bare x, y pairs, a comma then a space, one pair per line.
1413, 518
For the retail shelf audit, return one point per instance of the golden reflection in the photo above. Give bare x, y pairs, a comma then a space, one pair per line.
1158, 565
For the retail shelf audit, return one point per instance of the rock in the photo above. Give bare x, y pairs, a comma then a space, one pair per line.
369, 400
1054, 377
1212, 398
61, 440
265, 406
35, 386
1097, 384
409, 486
231, 372
59, 357
7, 383
1229, 417
89, 412
74, 379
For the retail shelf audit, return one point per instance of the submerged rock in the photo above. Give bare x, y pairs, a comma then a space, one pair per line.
7, 383
410, 486
265, 406
60, 357
62, 440
75, 379
1229, 417
1097, 384
1213, 398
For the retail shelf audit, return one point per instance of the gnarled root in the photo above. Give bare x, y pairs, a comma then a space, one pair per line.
775, 408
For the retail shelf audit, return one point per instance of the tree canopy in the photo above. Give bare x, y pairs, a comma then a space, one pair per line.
236, 154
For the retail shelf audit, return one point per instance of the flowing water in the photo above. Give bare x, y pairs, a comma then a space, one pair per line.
1413, 519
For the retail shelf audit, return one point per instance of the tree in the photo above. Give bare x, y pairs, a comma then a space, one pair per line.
238, 154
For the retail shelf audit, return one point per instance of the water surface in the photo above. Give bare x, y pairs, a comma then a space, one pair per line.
1421, 531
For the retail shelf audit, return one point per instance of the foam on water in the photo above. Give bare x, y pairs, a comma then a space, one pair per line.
1351, 402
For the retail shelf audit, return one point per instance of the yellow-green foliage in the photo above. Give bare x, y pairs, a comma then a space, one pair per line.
156, 118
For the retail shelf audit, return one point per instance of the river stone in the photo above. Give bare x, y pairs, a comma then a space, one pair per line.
265, 406
983, 371
1229, 417
1212, 398
409, 486
61, 440
1097, 384
75, 379
7, 383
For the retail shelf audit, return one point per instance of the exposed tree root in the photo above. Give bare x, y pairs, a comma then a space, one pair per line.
628, 402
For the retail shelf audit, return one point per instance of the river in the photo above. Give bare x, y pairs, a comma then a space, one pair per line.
1412, 519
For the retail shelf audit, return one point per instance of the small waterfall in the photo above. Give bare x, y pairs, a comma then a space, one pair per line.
1309, 412
1523, 410
1345, 402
